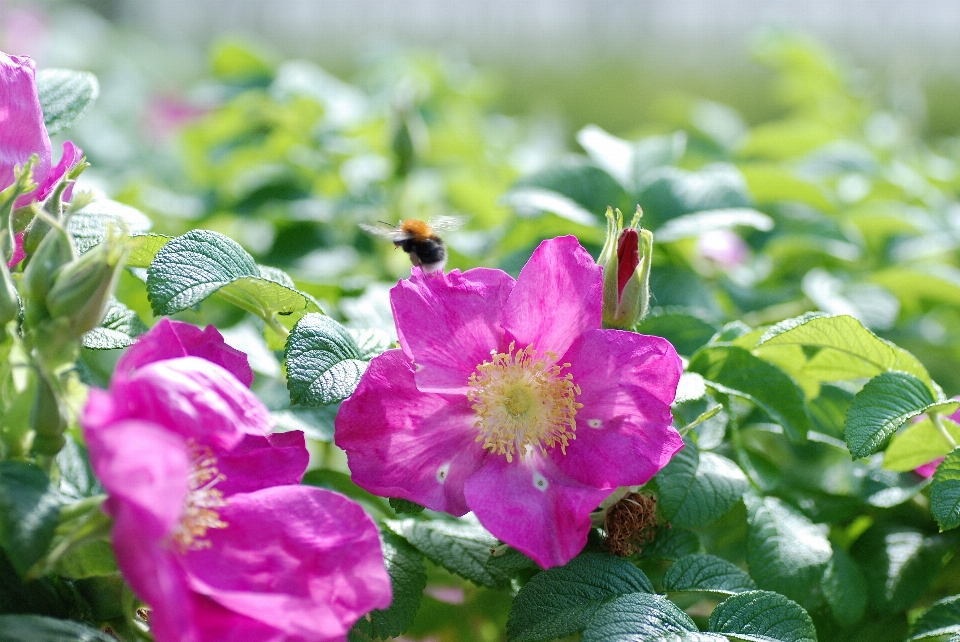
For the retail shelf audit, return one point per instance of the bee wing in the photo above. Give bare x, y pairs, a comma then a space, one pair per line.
447, 223
385, 230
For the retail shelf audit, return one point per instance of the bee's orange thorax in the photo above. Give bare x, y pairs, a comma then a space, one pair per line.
416, 228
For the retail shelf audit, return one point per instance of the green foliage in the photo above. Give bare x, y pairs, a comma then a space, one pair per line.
65, 95
408, 577
324, 363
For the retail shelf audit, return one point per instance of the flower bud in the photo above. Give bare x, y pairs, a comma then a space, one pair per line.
82, 288
47, 421
625, 259
53, 252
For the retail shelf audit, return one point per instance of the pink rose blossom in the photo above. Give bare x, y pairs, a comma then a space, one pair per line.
724, 247
22, 134
508, 399
210, 527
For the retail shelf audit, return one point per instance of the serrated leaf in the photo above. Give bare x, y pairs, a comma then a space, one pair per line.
561, 600
120, 328
942, 618
144, 248
636, 617
324, 365
945, 492
899, 564
192, 267
735, 370
763, 616
29, 509
408, 578
707, 573
846, 349
65, 95
697, 488
37, 628
405, 506
844, 588
786, 552
919, 444
884, 404
371, 342
89, 225
461, 547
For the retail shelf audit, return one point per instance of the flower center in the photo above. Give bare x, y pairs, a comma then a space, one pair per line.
522, 400
200, 511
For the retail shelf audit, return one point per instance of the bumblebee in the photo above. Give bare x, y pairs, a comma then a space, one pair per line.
419, 239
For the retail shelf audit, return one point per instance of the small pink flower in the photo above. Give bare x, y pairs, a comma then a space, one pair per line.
210, 527
508, 399
723, 247
22, 134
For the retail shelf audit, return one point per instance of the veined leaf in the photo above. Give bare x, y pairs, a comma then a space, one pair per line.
89, 225
763, 616
120, 328
29, 508
144, 248
945, 492
844, 588
324, 365
786, 552
636, 617
884, 404
942, 618
562, 600
919, 444
408, 577
734, 370
697, 488
707, 573
65, 95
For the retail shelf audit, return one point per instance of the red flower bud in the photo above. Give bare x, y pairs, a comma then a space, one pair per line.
628, 257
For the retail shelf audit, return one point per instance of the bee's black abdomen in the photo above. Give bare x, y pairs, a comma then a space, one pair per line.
431, 251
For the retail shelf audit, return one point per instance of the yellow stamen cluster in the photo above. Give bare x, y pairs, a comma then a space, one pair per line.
200, 511
522, 400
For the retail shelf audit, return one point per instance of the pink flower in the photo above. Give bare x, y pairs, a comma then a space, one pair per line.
508, 399
724, 247
210, 527
22, 134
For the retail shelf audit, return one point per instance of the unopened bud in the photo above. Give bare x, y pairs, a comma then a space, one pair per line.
82, 288
47, 421
54, 251
625, 258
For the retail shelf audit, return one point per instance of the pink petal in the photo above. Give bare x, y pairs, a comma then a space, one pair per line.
215, 623
304, 560
22, 132
171, 339
627, 383
404, 443
18, 253
261, 462
449, 323
533, 507
558, 296
195, 398
927, 470
71, 156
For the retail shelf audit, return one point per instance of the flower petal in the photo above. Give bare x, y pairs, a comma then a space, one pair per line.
261, 462
22, 132
195, 398
301, 559
171, 339
624, 432
533, 507
216, 623
71, 156
449, 323
558, 297
404, 443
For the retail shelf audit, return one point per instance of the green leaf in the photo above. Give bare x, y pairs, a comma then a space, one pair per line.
89, 225
144, 248
36, 628
77, 480
636, 617
324, 365
29, 509
919, 444
736, 371
669, 192
192, 267
770, 183
461, 547
581, 182
942, 618
90, 559
120, 328
697, 488
686, 332
845, 349
408, 578
562, 600
761, 616
786, 552
844, 588
673, 544
945, 492
65, 95
899, 564
693, 225
405, 506
884, 404
707, 573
